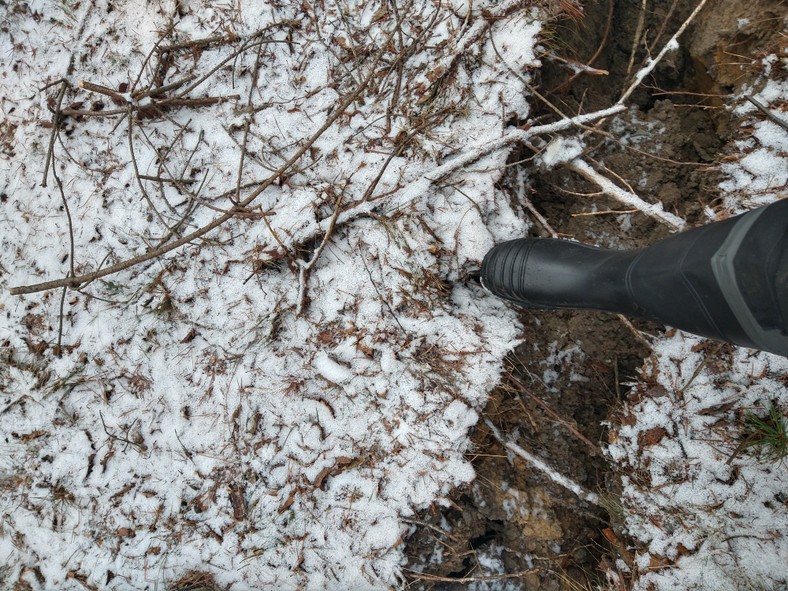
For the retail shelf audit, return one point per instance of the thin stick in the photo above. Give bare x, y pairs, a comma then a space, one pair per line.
605, 212
557, 417
380, 295
140, 184
199, 43
636, 36
154, 92
150, 54
247, 124
463, 580
305, 267
587, 66
638, 334
68, 217
539, 217
84, 113
696, 373
58, 349
115, 96
55, 126
627, 197
663, 25
51, 160
247, 45
540, 465
71, 271
767, 112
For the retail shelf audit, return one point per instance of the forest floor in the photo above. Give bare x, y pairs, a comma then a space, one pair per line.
567, 384
243, 343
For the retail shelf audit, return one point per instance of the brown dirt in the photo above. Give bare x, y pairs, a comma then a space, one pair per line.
579, 363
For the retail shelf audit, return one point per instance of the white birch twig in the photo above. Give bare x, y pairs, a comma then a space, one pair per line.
627, 197
517, 136
540, 465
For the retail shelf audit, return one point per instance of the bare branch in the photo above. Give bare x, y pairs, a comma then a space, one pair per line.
545, 469
626, 197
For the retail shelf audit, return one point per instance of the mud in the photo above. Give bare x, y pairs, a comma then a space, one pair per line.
514, 529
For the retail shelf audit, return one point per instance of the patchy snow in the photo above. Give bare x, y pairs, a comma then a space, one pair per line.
560, 151
562, 361
760, 174
194, 421
711, 513
268, 403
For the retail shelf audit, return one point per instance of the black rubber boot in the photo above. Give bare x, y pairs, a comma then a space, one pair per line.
727, 280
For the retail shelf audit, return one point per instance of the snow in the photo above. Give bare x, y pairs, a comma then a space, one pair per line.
194, 421
760, 174
561, 150
267, 411
712, 512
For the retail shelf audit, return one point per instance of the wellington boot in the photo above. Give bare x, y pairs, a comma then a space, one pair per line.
727, 280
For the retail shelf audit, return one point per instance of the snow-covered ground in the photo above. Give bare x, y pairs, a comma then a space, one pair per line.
265, 403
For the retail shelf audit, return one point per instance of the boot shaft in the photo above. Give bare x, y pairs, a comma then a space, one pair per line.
727, 280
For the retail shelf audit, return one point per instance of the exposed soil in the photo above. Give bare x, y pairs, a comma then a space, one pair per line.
579, 363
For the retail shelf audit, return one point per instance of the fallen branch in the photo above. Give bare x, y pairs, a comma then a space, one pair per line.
518, 136
416, 188
636, 36
626, 197
540, 465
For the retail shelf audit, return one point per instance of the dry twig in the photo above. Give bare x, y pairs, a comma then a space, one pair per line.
540, 465
772, 117
557, 417
626, 197
306, 267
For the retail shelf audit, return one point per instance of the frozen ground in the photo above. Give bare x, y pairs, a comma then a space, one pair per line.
711, 511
